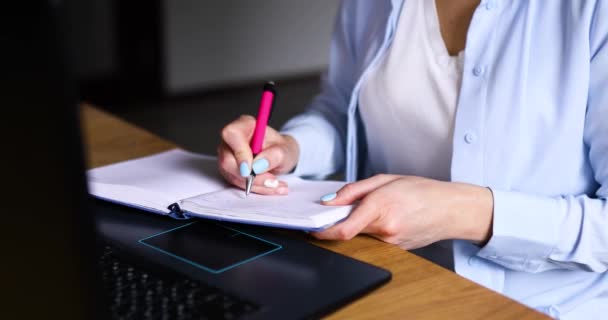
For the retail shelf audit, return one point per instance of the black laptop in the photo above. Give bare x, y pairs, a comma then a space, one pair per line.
70, 256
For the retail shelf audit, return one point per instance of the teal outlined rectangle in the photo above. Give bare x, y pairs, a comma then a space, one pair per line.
200, 266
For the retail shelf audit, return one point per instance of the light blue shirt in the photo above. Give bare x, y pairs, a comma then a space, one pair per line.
531, 124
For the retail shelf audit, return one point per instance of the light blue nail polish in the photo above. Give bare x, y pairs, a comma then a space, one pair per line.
244, 169
260, 165
329, 197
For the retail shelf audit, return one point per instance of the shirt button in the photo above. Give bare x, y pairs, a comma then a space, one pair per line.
477, 71
472, 260
470, 137
490, 5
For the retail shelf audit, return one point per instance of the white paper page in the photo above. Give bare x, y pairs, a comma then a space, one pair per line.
301, 207
159, 180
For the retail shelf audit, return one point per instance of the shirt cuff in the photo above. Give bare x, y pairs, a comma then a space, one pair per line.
317, 143
525, 231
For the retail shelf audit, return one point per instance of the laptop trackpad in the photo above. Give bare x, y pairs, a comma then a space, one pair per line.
210, 246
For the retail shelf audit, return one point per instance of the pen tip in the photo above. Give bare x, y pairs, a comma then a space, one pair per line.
248, 185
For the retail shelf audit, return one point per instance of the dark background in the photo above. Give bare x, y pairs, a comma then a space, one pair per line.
184, 68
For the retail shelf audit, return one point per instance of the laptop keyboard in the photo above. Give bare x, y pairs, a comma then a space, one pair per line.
134, 293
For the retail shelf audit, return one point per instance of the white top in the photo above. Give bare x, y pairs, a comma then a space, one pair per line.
408, 101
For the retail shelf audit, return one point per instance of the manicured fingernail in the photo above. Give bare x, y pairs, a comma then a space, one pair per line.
329, 197
282, 190
260, 165
244, 169
271, 183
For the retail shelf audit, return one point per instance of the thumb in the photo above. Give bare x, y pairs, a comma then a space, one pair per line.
274, 158
357, 190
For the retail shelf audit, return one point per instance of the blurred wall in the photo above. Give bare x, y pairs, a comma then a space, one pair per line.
91, 31
215, 43
210, 44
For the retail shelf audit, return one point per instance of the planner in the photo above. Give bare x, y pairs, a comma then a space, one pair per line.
183, 185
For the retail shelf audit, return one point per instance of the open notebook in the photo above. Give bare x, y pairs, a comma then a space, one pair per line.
181, 184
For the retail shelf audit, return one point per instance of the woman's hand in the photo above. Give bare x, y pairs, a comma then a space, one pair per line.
412, 212
235, 159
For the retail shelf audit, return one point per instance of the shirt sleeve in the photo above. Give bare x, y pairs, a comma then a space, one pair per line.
321, 130
533, 233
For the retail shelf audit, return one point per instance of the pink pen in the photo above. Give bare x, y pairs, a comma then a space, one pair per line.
264, 112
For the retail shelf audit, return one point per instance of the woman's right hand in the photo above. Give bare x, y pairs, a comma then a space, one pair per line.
235, 159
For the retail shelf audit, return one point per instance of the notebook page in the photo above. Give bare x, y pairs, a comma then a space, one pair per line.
130, 195
300, 208
158, 180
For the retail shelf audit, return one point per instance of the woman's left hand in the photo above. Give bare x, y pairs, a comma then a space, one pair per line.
412, 212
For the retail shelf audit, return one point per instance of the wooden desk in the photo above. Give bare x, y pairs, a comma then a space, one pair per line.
418, 290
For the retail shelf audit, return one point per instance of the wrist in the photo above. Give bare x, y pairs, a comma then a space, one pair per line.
472, 212
293, 151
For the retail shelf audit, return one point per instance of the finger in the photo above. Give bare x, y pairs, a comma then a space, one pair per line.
281, 189
270, 181
266, 183
226, 160
259, 186
271, 159
231, 178
237, 135
359, 219
357, 190
228, 166
271, 137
